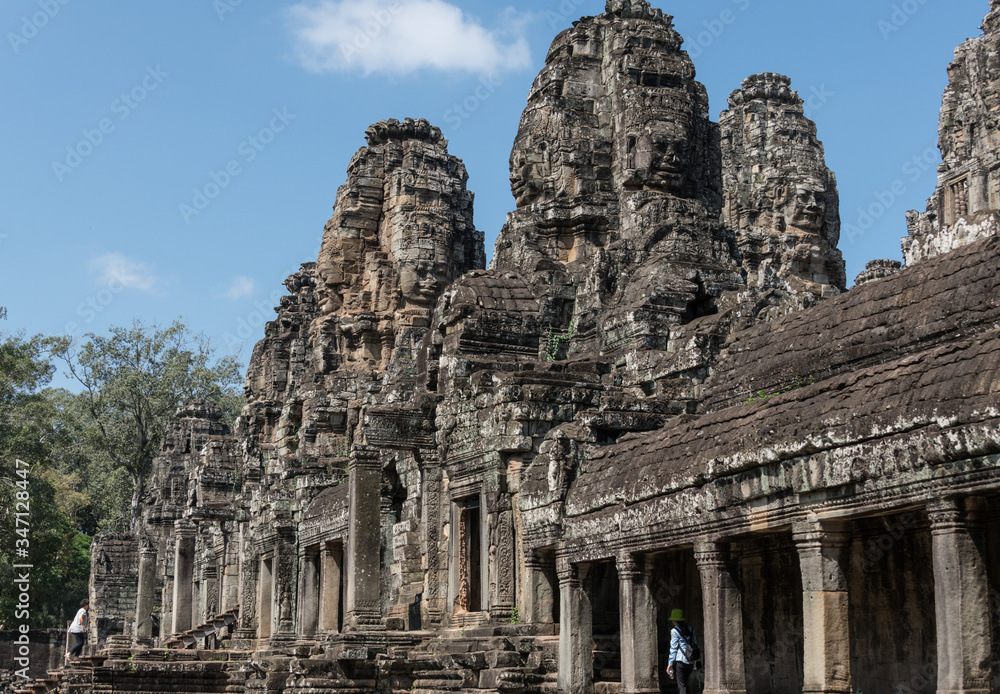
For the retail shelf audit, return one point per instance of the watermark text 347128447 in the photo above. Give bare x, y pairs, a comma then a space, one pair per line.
22, 569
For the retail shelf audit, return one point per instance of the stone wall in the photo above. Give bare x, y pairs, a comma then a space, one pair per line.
46, 647
114, 582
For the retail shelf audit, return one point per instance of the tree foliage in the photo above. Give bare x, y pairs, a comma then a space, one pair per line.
89, 453
133, 381
29, 431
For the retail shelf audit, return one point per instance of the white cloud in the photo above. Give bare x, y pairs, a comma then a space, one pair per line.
240, 287
115, 271
401, 36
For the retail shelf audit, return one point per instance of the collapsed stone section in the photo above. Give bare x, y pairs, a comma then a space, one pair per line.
780, 197
876, 270
964, 206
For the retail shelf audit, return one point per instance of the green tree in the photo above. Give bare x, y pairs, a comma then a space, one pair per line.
30, 431
133, 381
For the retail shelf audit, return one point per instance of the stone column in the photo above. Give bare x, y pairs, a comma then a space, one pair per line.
229, 589
576, 632
309, 588
538, 598
144, 599
434, 604
823, 558
638, 627
330, 573
363, 612
961, 597
722, 640
184, 534
501, 565
285, 580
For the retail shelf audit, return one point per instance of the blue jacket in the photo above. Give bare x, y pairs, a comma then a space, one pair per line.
676, 641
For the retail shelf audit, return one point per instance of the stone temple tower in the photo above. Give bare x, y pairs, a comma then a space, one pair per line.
963, 208
780, 196
616, 175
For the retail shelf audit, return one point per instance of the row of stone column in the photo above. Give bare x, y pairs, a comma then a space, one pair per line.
319, 604
964, 633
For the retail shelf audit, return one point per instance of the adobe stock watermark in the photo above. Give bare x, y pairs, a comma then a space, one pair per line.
248, 151
22, 569
485, 88
565, 12
31, 26
815, 100
884, 200
715, 28
224, 7
122, 107
378, 22
902, 13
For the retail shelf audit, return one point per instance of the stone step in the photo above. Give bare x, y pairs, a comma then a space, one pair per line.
439, 684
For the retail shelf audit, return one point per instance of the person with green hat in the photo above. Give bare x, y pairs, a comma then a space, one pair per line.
684, 651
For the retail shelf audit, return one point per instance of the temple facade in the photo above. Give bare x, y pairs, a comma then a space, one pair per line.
660, 395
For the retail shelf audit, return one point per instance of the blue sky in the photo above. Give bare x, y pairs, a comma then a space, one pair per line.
179, 159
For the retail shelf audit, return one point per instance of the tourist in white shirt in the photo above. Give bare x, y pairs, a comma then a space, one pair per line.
79, 630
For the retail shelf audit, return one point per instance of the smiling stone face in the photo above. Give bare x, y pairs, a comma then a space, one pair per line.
421, 283
530, 171
805, 209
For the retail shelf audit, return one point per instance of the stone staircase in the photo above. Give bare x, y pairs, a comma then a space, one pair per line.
505, 659
211, 628
76, 677
499, 660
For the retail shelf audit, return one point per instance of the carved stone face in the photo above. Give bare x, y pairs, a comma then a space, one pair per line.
805, 209
529, 169
669, 159
420, 284
331, 279
661, 160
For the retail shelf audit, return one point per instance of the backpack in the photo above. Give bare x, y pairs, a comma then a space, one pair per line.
691, 652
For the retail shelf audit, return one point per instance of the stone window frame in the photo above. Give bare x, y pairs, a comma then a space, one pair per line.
952, 213
319, 547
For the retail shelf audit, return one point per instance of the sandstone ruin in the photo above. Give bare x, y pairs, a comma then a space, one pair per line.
660, 395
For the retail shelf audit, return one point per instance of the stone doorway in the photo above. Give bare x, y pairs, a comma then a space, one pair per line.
676, 585
469, 556
604, 594
893, 627
772, 614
